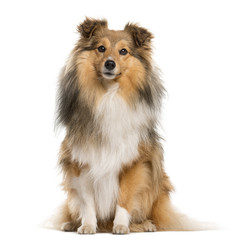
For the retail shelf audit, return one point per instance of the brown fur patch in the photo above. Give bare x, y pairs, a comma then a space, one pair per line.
145, 188
134, 75
91, 88
137, 185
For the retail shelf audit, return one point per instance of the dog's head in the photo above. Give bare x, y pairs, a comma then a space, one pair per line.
115, 54
102, 58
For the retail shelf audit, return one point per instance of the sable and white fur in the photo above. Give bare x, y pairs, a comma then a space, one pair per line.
111, 157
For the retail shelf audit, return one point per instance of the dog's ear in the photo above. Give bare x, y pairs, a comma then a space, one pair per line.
88, 28
141, 36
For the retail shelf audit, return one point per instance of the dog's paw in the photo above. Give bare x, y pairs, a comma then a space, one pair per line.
120, 229
67, 227
86, 229
149, 227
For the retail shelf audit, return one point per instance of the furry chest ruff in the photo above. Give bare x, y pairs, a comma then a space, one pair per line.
121, 129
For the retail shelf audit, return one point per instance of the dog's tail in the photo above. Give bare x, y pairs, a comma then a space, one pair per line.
167, 218
58, 218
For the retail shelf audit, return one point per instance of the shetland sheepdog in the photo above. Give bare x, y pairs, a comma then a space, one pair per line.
111, 158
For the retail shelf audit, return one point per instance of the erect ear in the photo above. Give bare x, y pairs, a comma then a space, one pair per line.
88, 28
141, 36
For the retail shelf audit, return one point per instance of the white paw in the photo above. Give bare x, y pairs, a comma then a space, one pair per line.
120, 229
86, 229
149, 227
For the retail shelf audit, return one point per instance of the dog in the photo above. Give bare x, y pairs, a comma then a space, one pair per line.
109, 101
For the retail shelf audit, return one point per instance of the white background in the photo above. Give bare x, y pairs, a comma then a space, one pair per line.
196, 49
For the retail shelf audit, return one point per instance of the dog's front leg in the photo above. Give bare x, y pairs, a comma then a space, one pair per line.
135, 200
85, 196
128, 186
121, 221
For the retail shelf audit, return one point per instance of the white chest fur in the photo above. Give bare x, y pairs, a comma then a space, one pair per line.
120, 127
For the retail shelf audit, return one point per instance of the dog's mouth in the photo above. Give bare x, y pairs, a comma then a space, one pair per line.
109, 75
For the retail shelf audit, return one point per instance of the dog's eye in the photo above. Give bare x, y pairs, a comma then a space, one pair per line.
123, 51
101, 49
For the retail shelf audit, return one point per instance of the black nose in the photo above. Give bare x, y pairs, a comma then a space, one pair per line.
110, 64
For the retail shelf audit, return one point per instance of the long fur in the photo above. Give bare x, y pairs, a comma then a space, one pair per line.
111, 157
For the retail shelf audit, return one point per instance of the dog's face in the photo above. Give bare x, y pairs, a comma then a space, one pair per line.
114, 55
